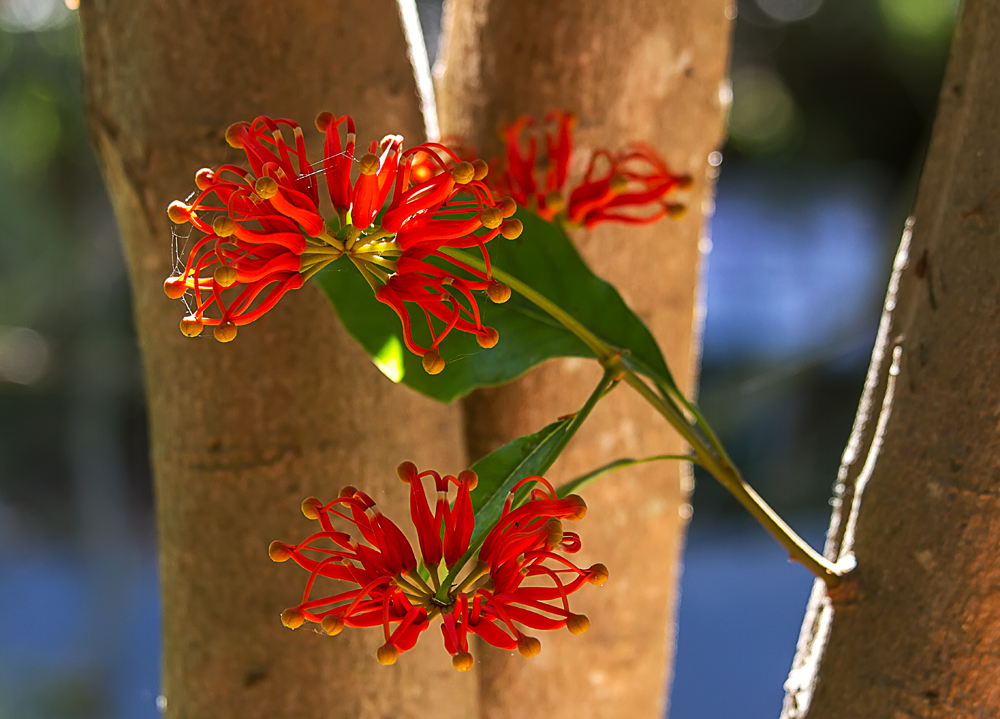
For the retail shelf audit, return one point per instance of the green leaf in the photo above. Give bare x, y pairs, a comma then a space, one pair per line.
545, 259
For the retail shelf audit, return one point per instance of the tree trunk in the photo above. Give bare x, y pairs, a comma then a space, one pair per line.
922, 638
241, 433
633, 70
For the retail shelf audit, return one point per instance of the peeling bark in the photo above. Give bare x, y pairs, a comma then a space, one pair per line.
242, 432
633, 70
923, 638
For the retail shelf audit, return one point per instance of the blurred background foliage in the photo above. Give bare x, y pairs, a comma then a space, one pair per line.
831, 110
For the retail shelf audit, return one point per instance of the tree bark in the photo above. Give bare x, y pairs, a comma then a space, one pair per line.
633, 70
241, 433
922, 638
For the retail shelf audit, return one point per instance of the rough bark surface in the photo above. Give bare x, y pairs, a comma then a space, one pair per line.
243, 432
633, 70
923, 637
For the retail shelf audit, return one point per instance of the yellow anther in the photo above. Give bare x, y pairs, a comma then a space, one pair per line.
178, 212
577, 624
432, 362
462, 661
368, 164
225, 331
233, 133
676, 211
488, 339
204, 178
278, 552
528, 646
223, 226
311, 507
407, 472
480, 169
618, 184
507, 206
491, 218
266, 187
332, 625
292, 618
685, 182
579, 507
511, 229
323, 121
467, 475
554, 201
174, 287
348, 491
463, 173
387, 655
554, 533
498, 292
191, 327
597, 574
225, 275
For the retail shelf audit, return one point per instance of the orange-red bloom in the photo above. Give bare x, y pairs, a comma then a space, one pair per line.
630, 186
522, 578
262, 232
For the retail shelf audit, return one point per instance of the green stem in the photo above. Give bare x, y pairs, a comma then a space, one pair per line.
582, 481
708, 449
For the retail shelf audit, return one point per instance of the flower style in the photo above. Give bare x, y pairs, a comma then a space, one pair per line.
263, 234
519, 580
630, 186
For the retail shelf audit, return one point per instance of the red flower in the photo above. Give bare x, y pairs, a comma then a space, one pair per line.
629, 186
392, 590
262, 231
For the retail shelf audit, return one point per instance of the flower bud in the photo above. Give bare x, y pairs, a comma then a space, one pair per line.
577, 624
225, 276
462, 661
278, 552
554, 201
498, 292
488, 339
507, 206
191, 327
578, 508
174, 287
463, 173
311, 507
387, 655
292, 618
323, 121
480, 169
597, 575
368, 164
225, 331
432, 363
223, 226
204, 178
332, 625
178, 212
528, 646
266, 187
470, 477
491, 218
676, 211
511, 229
407, 472
234, 132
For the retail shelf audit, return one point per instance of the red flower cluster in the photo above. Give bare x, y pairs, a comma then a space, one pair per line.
630, 186
519, 580
263, 234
